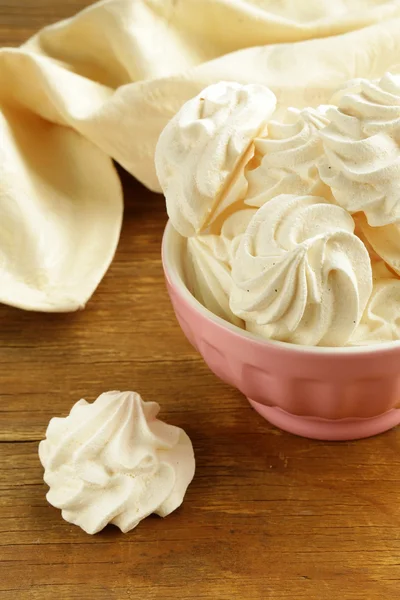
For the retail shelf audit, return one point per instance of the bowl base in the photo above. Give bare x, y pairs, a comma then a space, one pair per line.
326, 429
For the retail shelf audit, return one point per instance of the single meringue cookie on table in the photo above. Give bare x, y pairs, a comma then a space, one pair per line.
362, 150
208, 264
114, 462
300, 274
287, 156
202, 152
381, 319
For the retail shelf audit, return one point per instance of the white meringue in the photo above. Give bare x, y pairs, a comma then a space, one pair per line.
208, 265
362, 162
288, 156
381, 319
113, 462
202, 152
300, 274
376, 105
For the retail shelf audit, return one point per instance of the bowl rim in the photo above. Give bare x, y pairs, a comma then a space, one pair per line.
173, 276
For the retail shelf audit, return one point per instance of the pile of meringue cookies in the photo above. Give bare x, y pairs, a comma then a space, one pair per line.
292, 223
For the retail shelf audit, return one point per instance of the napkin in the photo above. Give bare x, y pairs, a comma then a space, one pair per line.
102, 85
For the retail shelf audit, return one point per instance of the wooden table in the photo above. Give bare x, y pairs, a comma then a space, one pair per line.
268, 515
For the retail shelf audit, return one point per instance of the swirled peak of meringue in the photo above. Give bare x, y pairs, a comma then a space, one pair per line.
288, 156
376, 105
208, 265
114, 462
300, 274
381, 319
362, 151
201, 153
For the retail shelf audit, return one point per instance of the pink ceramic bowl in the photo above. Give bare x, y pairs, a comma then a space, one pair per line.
321, 393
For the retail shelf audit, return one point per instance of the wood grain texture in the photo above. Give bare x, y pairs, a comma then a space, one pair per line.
269, 516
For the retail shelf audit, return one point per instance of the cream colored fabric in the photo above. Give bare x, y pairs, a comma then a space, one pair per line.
103, 84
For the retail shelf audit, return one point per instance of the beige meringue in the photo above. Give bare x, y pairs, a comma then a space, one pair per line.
381, 319
202, 152
385, 241
362, 150
300, 274
208, 265
287, 156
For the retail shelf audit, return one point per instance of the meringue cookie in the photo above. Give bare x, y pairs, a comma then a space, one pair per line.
385, 241
360, 222
208, 265
362, 152
232, 230
300, 275
202, 152
376, 105
113, 462
287, 156
381, 318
